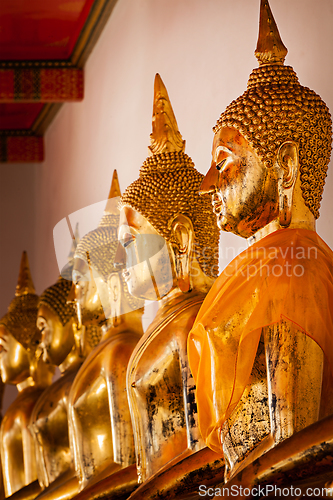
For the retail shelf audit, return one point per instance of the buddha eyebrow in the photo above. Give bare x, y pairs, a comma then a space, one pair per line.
222, 148
133, 229
226, 149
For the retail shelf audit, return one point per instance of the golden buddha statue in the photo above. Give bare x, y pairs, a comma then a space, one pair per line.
18, 366
258, 344
170, 239
99, 420
49, 419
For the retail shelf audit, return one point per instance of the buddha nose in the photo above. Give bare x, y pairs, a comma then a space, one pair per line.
120, 257
39, 351
210, 181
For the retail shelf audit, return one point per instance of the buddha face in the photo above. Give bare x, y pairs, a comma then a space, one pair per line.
14, 360
57, 340
91, 295
244, 191
149, 270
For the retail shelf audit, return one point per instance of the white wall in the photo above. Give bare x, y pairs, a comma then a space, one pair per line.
203, 50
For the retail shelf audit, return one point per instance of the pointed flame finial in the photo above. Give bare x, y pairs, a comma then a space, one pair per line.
24, 283
270, 48
165, 136
112, 204
66, 272
75, 241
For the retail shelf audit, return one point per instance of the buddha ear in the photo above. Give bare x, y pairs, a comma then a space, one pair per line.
288, 163
182, 240
115, 294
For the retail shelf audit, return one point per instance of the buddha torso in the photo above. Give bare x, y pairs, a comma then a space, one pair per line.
49, 424
260, 324
161, 389
101, 430
17, 446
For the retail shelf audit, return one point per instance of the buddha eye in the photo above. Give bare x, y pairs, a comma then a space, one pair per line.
127, 239
221, 164
41, 324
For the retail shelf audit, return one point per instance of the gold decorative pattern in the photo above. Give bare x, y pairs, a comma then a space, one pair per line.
21, 148
41, 84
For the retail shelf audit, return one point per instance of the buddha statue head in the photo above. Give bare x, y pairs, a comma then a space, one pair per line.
19, 336
55, 319
271, 147
167, 230
98, 286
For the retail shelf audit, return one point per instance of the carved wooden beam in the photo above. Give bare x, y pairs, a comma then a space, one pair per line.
41, 85
21, 148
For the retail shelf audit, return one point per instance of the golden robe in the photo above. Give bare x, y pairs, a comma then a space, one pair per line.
288, 274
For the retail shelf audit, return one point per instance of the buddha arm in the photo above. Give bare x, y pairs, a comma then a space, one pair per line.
118, 486
294, 393
40, 464
183, 475
310, 452
115, 367
294, 379
109, 470
29, 454
28, 492
66, 486
2, 489
194, 439
12, 453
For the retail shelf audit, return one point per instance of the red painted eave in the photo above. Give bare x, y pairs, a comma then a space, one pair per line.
18, 116
41, 29
43, 47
